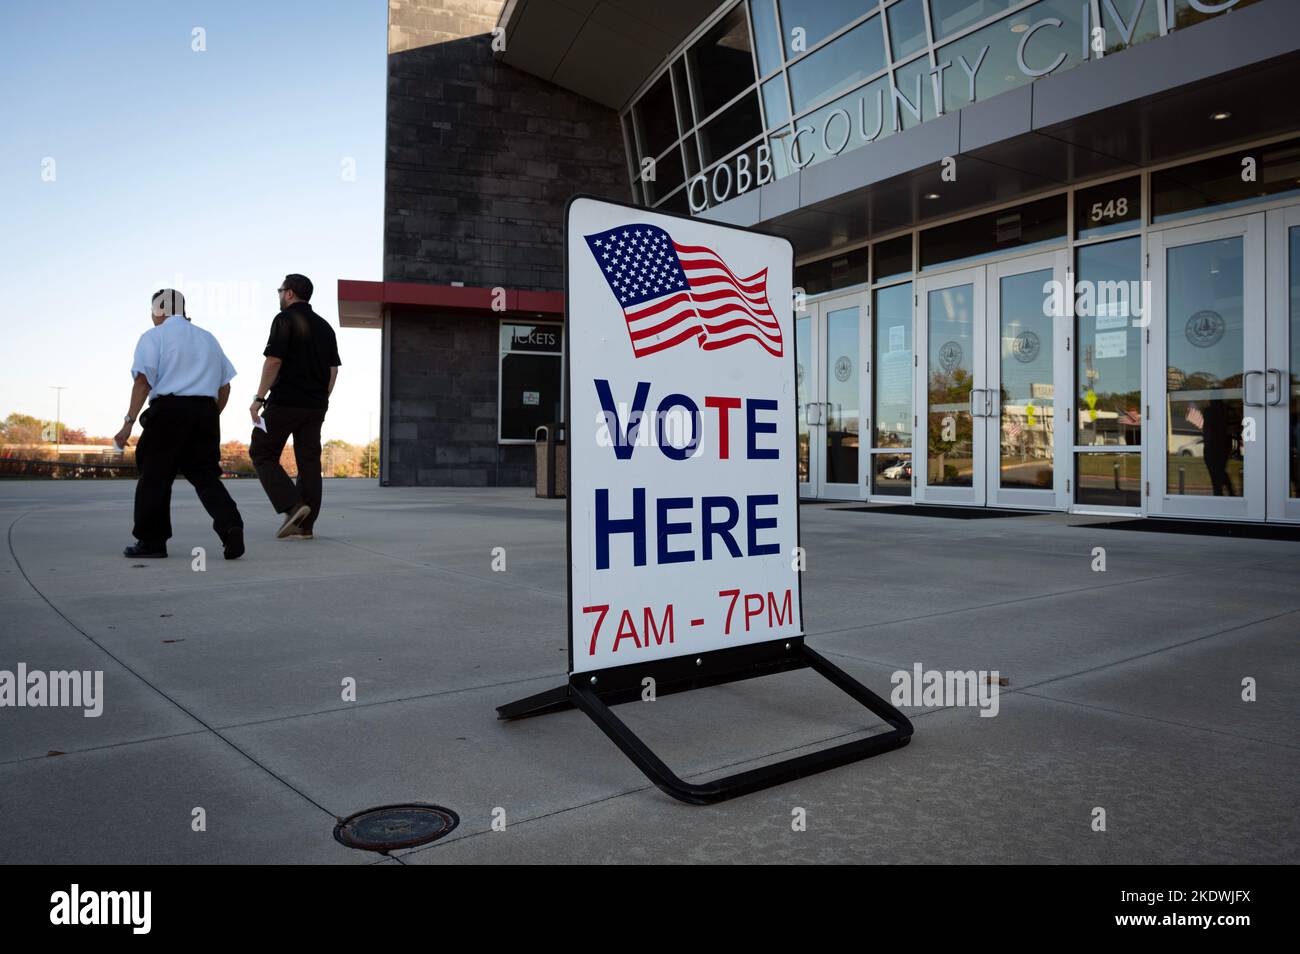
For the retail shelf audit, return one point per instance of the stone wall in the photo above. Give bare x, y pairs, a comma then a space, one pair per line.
481, 159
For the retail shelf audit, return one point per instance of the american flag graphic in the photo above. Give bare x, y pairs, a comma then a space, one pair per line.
1195, 417
672, 293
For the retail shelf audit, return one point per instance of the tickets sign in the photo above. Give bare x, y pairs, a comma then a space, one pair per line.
683, 496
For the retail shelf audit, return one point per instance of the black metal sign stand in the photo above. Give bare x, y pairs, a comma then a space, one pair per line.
594, 693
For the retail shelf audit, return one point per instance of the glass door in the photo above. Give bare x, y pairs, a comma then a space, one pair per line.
831, 386
842, 331
952, 397
890, 385
1282, 374
808, 417
1209, 377
1028, 339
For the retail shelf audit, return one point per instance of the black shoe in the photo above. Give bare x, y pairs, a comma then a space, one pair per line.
234, 542
292, 520
145, 551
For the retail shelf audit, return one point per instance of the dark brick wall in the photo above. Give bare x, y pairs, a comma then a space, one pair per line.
443, 405
481, 159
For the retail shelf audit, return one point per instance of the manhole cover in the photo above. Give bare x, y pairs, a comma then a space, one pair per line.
395, 826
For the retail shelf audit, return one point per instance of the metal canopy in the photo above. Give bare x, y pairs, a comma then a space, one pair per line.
600, 49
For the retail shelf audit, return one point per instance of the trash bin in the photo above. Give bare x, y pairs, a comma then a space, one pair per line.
552, 460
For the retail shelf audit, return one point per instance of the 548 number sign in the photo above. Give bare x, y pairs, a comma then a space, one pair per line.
1114, 209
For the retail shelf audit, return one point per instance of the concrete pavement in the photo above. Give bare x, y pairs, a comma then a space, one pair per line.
222, 691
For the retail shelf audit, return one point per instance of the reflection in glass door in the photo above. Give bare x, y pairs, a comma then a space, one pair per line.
951, 396
890, 375
830, 387
1282, 385
805, 395
841, 370
1208, 371
1028, 330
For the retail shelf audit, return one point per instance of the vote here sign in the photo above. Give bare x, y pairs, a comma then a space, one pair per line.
683, 500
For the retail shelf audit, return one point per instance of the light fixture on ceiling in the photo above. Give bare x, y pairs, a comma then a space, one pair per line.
1221, 115
932, 195
1019, 27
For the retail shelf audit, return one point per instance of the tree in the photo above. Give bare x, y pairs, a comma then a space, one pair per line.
22, 429
370, 459
235, 459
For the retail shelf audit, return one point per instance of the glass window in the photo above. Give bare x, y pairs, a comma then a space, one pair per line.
1216, 183
1293, 386
721, 63
817, 19
843, 418
685, 118
843, 125
667, 175
992, 54
692, 150
730, 130
893, 475
839, 65
630, 140
827, 274
678, 202
1185, 14
1205, 286
893, 258
949, 16
775, 107
906, 28
1108, 208
1034, 223
1108, 480
1122, 29
780, 143
655, 117
530, 379
892, 369
766, 39
1027, 398
1108, 354
803, 393
914, 102
950, 440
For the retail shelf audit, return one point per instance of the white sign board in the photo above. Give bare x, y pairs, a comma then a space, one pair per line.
1111, 344
683, 494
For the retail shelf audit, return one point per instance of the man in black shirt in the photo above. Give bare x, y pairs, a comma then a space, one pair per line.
301, 366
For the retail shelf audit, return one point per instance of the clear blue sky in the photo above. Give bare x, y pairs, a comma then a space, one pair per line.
216, 172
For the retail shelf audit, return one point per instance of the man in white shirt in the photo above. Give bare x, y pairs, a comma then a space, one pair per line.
188, 376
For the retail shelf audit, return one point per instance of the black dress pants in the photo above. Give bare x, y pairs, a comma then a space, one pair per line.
303, 424
180, 435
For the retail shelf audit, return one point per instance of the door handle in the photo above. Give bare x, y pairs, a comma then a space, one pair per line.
1245, 390
986, 402
973, 392
1280, 381
814, 412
